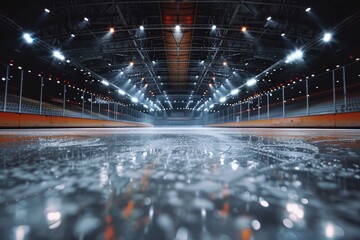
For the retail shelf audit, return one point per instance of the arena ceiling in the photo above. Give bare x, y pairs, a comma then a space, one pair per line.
179, 54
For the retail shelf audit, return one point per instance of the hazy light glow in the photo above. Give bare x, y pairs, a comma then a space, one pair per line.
177, 28
308, 9
57, 54
112, 30
243, 29
86, 19
27, 37
294, 56
72, 35
268, 18
122, 92
211, 106
142, 28
213, 27
47, 10
251, 82
131, 63
295, 209
283, 34
327, 37
235, 91
223, 99
329, 231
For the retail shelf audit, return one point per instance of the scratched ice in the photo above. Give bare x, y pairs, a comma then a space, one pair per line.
179, 184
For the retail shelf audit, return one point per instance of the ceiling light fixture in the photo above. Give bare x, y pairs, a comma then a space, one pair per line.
327, 37
251, 82
27, 37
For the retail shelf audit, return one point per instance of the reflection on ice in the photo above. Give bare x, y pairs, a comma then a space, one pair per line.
178, 185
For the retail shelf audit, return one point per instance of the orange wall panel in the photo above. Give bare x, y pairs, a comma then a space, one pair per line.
16, 120
319, 121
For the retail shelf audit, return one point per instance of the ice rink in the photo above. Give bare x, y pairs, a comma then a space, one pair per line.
180, 183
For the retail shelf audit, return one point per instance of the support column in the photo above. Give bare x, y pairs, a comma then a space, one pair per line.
248, 110
41, 94
64, 100
114, 111
268, 107
108, 111
344, 82
258, 107
283, 100
6, 87
91, 104
21, 89
99, 111
334, 93
307, 97
82, 105
240, 112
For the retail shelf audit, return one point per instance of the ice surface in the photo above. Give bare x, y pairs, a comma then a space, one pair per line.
180, 184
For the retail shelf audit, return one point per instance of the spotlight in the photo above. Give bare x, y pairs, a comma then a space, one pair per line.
213, 27
308, 9
251, 82
202, 62
327, 37
72, 35
57, 54
68, 61
122, 92
153, 62
283, 34
223, 99
268, 18
134, 100
234, 91
27, 37
86, 19
243, 29
225, 63
131, 63
177, 28
47, 10
112, 30
142, 28
106, 83
211, 106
